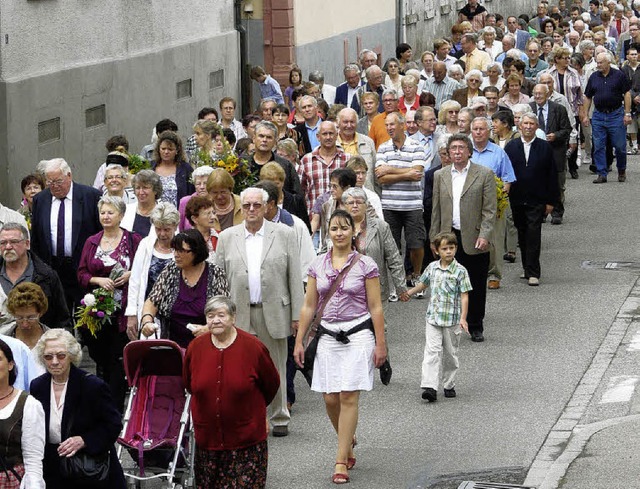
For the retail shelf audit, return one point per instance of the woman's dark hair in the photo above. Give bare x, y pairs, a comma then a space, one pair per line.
195, 205
428, 99
297, 70
341, 214
242, 145
166, 125
8, 354
172, 137
504, 116
114, 142
249, 118
229, 135
33, 178
195, 241
401, 49
281, 109
346, 177
205, 111
544, 23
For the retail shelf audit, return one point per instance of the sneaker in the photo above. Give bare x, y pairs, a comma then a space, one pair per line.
450, 392
534, 281
429, 394
393, 297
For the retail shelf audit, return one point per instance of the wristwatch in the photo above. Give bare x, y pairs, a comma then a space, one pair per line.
627, 113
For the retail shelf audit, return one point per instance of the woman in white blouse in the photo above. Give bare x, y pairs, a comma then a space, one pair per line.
81, 413
22, 449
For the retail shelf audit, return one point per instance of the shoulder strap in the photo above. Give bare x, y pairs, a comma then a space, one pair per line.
332, 290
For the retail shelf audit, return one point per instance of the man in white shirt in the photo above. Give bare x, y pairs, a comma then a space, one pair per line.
327, 92
262, 264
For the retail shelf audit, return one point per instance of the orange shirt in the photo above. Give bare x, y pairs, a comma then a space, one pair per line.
378, 131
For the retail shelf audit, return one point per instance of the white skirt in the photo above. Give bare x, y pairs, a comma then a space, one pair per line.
342, 368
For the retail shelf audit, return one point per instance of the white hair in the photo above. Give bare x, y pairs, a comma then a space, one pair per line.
521, 109
57, 164
202, 171
252, 190
471, 73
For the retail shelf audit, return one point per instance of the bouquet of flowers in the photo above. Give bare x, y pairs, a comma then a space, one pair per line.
503, 197
237, 167
96, 309
137, 163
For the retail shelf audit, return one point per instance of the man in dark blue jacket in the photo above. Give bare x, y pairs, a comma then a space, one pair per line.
534, 192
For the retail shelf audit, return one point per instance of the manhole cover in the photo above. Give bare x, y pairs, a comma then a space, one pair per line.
490, 485
631, 266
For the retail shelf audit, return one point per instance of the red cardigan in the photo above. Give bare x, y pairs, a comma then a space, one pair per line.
230, 389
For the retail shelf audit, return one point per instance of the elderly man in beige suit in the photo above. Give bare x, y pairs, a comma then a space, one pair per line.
261, 261
464, 201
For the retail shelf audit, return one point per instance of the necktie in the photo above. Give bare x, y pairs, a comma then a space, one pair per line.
541, 119
60, 236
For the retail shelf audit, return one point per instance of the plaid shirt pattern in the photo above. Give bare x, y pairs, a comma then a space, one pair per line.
314, 174
447, 286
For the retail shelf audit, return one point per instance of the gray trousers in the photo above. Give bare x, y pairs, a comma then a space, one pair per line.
277, 411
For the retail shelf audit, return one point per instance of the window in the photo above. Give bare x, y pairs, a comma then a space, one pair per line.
216, 79
95, 116
183, 89
49, 130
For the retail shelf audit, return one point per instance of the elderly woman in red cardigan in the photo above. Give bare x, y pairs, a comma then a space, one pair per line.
229, 401
112, 248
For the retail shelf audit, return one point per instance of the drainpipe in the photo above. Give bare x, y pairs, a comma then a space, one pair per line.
401, 33
245, 82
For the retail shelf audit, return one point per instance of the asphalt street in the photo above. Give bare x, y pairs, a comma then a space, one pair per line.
512, 389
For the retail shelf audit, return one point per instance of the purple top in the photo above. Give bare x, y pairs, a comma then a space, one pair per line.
188, 308
350, 299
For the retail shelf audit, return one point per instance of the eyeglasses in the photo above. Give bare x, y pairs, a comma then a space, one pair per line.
11, 242
22, 319
61, 355
389, 100
55, 183
352, 203
250, 205
182, 250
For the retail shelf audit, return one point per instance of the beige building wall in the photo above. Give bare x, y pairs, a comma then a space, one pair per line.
316, 21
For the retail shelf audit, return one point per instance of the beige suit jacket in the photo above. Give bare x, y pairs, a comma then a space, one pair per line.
281, 286
478, 205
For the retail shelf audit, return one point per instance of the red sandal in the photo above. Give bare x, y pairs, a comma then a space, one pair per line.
338, 478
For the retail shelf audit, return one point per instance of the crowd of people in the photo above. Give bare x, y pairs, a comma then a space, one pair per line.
247, 240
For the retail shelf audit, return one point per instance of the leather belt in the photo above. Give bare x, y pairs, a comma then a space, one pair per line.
255, 304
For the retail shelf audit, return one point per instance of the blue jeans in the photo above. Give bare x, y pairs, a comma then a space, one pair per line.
609, 126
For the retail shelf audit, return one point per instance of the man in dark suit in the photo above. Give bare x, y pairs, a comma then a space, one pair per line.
554, 121
347, 92
521, 36
65, 214
534, 192
464, 201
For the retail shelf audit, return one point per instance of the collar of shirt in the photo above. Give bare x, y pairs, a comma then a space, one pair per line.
314, 128
276, 218
452, 267
464, 170
487, 147
259, 232
68, 197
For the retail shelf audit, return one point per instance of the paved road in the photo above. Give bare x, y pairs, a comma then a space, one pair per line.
511, 389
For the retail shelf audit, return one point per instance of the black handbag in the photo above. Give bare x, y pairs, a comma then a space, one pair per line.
385, 372
84, 470
87, 471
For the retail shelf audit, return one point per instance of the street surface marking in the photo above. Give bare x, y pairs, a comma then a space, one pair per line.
634, 345
620, 389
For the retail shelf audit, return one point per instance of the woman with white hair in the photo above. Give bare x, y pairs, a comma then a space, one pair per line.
117, 184
457, 73
200, 176
494, 76
148, 189
488, 42
81, 415
106, 263
154, 253
464, 95
448, 117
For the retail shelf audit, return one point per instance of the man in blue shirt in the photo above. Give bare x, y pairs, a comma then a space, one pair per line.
492, 156
608, 88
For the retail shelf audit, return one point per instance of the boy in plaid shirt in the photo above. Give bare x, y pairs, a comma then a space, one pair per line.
446, 316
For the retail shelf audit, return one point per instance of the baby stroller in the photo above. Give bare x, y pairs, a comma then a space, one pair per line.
156, 431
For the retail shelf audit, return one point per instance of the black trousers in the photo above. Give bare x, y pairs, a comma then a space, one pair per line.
67, 272
528, 221
478, 268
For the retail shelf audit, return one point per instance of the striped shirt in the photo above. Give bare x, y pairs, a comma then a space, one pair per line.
407, 194
447, 286
441, 91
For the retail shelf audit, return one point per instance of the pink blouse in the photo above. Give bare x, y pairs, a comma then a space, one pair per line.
350, 299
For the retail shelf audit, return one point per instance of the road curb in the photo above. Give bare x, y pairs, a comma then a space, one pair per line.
559, 448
